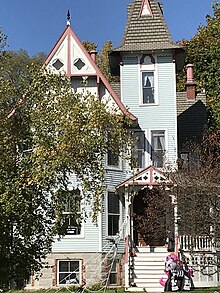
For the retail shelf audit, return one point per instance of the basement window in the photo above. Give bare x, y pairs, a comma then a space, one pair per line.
68, 272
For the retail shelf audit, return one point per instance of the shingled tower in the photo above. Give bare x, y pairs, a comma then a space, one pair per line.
147, 31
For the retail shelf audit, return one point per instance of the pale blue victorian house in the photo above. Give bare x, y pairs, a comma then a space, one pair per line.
146, 62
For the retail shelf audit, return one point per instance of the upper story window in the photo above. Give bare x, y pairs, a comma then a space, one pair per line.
148, 80
113, 209
113, 160
72, 212
148, 87
139, 151
157, 148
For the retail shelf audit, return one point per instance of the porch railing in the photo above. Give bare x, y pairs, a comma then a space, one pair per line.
196, 243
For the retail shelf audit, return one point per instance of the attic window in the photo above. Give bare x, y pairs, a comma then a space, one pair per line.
58, 64
79, 63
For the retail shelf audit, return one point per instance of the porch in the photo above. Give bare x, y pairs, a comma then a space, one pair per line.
145, 267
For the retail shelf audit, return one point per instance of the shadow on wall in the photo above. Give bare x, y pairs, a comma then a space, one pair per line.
191, 124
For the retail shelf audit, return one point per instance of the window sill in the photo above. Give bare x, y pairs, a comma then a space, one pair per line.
149, 105
114, 168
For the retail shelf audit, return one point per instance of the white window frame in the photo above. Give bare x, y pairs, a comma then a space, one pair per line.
165, 143
120, 211
139, 149
81, 234
114, 167
79, 272
148, 67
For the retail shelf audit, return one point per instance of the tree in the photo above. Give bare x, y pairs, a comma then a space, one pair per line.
3, 39
103, 61
89, 46
197, 190
47, 132
203, 50
102, 58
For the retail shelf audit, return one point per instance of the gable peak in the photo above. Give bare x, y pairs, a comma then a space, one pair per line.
145, 8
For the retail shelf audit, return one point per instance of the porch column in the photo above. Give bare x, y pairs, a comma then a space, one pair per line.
127, 235
176, 231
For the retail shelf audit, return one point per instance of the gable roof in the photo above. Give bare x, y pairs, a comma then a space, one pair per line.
150, 176
69, 49
146, 30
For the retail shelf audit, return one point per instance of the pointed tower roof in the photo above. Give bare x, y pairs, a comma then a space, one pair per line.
70, 56
146, 28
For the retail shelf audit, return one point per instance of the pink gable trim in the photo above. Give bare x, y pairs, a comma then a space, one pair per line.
69, 32
149, 176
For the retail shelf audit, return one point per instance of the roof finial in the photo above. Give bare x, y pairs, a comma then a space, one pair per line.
68, 17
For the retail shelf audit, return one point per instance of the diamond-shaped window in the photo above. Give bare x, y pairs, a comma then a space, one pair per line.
79, 64
58, 64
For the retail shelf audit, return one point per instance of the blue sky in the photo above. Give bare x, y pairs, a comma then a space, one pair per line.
35, 25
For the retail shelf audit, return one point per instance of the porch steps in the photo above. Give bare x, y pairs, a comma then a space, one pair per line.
148, 268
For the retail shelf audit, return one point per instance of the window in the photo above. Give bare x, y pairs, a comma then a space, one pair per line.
112, 160
68, 272
72, 212
113, 213
139, 148
158, 148
148, 87
79, 63
58, 64
113, 274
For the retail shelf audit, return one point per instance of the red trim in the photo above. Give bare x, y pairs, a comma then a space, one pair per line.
83, 273
54, 270
131, 180
68, 56
151, 177
52, 52
69, 32
126, 249
83, 74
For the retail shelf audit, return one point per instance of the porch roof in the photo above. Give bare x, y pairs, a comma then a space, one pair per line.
150, 176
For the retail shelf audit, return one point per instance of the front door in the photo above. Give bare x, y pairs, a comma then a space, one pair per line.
152, 217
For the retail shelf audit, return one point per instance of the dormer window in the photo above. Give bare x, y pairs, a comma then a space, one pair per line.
58, 64
79, 64
148, 87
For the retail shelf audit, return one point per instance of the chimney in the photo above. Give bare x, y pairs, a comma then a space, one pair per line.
190, 83
93, 54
